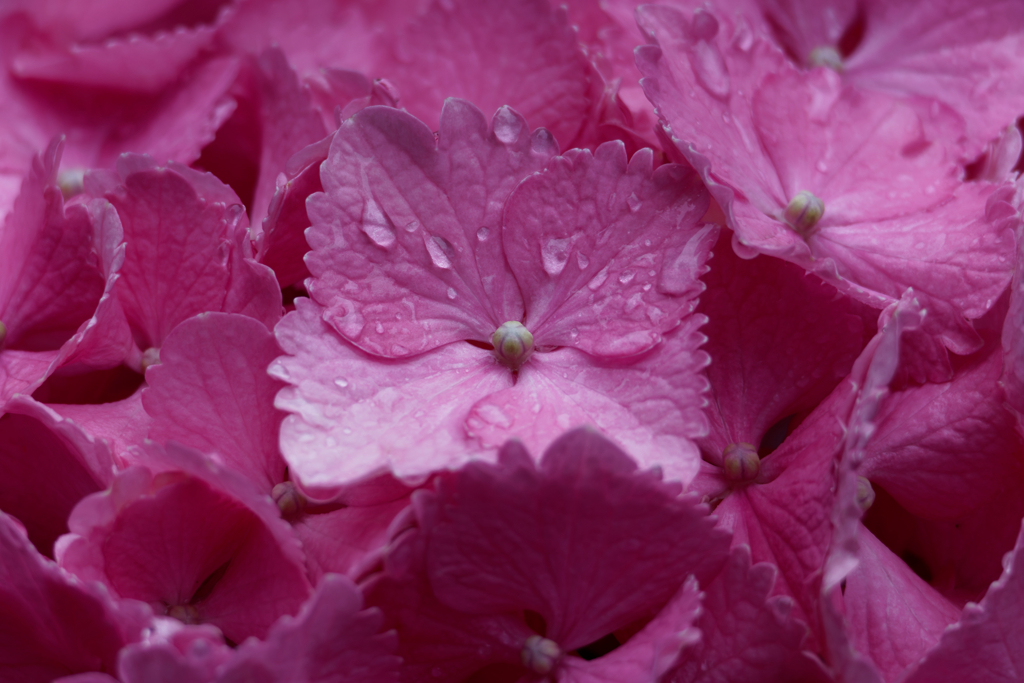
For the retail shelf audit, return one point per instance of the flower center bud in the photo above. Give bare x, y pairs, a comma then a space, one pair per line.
803, 212
740, 462
826, 55
288, 498
186, 614
513, 344
150, 356
540, 654
71, 182
865, 493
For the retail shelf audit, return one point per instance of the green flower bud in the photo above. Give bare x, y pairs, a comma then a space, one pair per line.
740, 462
540, 655
826, 55
513, 344
803, 212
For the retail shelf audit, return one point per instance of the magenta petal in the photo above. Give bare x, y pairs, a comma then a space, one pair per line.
189, 249
747, 636
333, 639
211, 391
47, 464
174, 652
492, 53
894, 616
355, 417
289, 124
651, 405
141, 63
121, 424
181, 543
779, 341
986, 643
50, 281
407, 254
52, 625
620, 249
579, 509
646, 656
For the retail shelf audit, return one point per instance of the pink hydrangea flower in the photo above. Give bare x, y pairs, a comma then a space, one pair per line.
592, 263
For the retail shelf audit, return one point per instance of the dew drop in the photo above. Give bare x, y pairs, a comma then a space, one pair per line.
438, 247
554, 255
627, 277
483, 233
821, 166
598, 279
379, 327
341, 382
709, 68
451, 293
507, 126
412, 226
376, 225
582, 261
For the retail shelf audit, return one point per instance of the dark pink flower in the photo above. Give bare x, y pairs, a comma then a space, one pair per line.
518, 565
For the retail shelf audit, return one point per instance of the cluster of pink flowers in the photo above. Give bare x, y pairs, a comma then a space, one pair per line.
482, 341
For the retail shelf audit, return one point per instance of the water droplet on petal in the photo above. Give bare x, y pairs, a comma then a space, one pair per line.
507, 126
554, 255
376, 225
582, 261
412, 226
627, 277
483, 233
451, 293
379, 327
438, 249
709, 68
598, 279
341, 382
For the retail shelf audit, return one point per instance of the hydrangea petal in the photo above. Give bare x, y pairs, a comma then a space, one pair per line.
985, 644
52, 625
211, 391
47, 464
489, 510
492, 53
332, 639
894, 616
747, 636
355, 417
407, 253
651, 405
620, 249
779, 342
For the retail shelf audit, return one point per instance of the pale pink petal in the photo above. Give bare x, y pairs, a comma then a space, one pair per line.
407, 250
333, 639
94, 19
620, 248
745, 635
172, 652
651, 406
1013, 338
211, 391
493, 53
355, 417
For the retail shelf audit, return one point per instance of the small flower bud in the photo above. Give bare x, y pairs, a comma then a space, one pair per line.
71, 182
740, 462
513, 344
803, 212
826, 55
540, 654
150, 356
288, 498
865, 493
